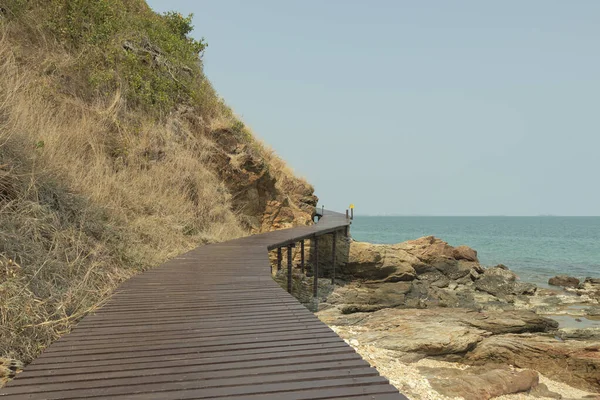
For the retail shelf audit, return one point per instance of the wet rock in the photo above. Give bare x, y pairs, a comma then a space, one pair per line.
589, 287
593, 311
564, 281
480, 383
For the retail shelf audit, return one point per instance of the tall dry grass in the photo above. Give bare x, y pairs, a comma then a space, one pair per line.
90, 194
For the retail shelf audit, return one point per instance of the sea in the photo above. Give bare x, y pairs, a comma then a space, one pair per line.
535, 248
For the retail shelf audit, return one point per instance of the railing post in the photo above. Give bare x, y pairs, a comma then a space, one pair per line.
315, 245
333, 257
289, 268
302, 256
347, 216
279, 259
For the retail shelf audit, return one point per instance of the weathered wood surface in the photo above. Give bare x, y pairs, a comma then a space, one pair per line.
210, 323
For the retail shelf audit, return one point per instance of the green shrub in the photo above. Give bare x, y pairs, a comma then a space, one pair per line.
123, 44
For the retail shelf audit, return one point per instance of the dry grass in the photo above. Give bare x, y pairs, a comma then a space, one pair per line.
97, 185
90, 194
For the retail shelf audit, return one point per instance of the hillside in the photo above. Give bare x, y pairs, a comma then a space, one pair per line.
115, 154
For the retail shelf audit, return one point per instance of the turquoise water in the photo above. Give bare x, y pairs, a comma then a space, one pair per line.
536, 248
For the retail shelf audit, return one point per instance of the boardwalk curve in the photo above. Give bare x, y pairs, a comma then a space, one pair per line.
211, 323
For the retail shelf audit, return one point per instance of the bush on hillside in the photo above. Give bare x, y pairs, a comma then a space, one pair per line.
123, 44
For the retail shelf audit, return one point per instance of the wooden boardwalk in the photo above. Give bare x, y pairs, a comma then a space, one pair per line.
211, 323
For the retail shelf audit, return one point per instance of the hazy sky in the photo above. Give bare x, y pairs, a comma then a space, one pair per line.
418, 107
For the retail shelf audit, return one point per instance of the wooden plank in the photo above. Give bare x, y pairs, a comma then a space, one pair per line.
209, 323
269, 356
207, 389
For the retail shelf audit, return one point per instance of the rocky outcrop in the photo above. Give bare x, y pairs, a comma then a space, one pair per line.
480, 383
572, 361
267, 198
589, 287
380, 263
500, 285
426, 299
418, 331
564, 281
434, 274
489, 339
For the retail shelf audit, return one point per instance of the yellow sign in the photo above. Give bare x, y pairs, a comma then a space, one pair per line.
351, 206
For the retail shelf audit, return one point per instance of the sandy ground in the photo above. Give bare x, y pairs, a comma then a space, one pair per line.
410, 382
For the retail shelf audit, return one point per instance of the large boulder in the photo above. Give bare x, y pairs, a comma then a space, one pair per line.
502, 271
497, 286
479, 383
356, 297
405, 261
499, 281
436, 331
428, 248
465, 253
384, 263
572, 361
564, 281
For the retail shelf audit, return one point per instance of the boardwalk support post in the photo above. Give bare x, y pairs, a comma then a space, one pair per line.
316, 267
333, 257
279, 259
289, 268
302, 256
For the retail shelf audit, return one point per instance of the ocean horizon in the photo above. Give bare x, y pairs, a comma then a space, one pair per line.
535, 247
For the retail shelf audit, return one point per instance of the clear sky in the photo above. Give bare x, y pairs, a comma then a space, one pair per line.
418, 107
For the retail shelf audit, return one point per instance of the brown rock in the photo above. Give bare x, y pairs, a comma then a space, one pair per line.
465, 253
502, 283
404, 261
265, 198
478, 383
564, 281
436, 331
542, 391
428, 248
574, 362
368, 297
383, 263
501, 271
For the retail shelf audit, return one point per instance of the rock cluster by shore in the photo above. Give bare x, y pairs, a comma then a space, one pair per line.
426, 301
